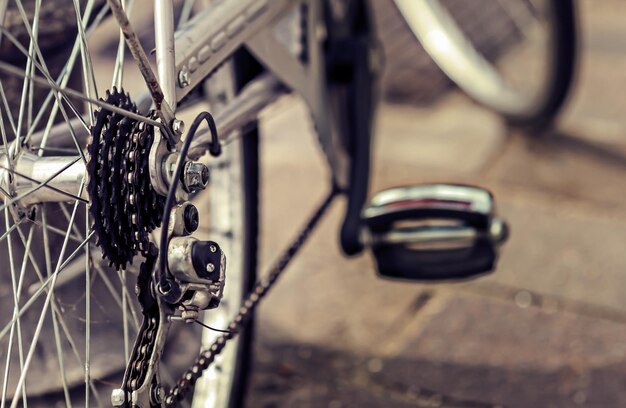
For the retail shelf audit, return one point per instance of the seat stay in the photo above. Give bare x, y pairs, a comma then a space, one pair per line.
212, 36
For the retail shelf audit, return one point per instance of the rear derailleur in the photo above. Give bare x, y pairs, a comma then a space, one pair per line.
126, 205
199, 271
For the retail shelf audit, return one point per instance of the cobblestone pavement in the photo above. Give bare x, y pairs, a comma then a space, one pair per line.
548, 329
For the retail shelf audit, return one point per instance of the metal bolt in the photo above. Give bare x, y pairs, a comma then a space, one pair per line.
210, 267
213, 248
191, 218
178, 126
183, 78
118, 397
189, 315
195, 176
158, 393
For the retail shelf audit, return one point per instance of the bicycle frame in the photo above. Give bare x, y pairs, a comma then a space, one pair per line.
212, 36
185, 58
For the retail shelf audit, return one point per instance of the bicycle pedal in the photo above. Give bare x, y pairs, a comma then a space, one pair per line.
434, 232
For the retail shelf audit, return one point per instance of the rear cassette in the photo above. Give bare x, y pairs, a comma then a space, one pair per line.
122, 203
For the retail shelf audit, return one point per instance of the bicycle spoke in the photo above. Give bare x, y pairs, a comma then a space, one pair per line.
56, 230
87, 313
3, 130
89, 77
8, 110
102, 274
185, 13
53, 150
10, 69
41, 66
47, 316
16, 289
118, 69
8, 232
57, 341
126, 295
46, 303
62, 80
56, 308
44, 70
45, 284
27, 85
54, 312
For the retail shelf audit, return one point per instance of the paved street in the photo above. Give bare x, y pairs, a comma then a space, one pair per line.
548, 329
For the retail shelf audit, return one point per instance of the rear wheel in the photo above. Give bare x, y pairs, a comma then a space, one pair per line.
68, 320
523, 73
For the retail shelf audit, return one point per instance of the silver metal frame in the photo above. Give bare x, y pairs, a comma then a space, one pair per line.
203, 44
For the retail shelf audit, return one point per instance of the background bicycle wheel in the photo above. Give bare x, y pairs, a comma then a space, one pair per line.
516, 57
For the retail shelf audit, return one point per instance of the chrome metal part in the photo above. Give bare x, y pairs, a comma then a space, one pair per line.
180, 261
179, 226
442, 237
243, 109
195, 176
178, 127
136, 49
183, 78
261, 289
144, 395
36, 179
189, 315
446, 196
433, 232
193, 265
157, 163
118, 397
60, 136
214, 34
164, 44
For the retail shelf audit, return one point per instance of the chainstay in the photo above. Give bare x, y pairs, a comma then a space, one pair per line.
206, 357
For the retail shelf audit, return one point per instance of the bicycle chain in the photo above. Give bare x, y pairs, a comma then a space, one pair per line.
143, 350
261, 289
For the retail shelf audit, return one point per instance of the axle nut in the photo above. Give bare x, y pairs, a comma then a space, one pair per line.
195, 176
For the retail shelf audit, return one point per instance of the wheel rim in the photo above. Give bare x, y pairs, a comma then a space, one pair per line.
499, 86
226, 206
226, 200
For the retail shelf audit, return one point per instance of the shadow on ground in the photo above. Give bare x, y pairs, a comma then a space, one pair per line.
290, 375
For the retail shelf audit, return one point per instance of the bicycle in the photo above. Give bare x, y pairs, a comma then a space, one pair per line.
127, 167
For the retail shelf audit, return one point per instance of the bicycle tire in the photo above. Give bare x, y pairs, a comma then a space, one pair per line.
477, 77
209, 393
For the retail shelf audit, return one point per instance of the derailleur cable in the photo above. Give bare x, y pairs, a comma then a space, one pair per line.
165, 283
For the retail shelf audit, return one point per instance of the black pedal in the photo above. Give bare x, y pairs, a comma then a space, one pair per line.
434, 232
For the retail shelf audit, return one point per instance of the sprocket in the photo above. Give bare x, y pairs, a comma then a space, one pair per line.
122, 203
